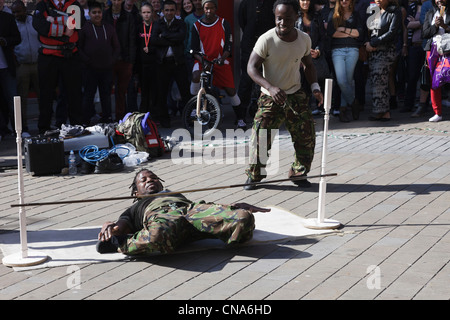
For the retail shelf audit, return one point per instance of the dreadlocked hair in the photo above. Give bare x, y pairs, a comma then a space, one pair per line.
133, 186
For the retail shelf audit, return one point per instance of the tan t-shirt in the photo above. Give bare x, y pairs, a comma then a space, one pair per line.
281, 66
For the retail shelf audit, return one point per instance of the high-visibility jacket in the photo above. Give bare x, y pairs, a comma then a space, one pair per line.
51, 34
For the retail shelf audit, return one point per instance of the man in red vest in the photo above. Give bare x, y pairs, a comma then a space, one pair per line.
58, 58
212, 36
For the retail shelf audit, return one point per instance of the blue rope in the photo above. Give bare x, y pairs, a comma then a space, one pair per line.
92, 154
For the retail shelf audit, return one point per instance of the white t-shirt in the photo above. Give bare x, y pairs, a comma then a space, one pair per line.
281, 66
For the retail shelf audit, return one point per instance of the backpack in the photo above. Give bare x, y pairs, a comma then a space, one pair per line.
139, 130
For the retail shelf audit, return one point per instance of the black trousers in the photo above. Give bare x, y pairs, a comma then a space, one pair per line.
101, 78
149, 80
167, 71
50, 68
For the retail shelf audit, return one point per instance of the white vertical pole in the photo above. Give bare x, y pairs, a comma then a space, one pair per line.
321, 222
22, 214
24, 257
323, 183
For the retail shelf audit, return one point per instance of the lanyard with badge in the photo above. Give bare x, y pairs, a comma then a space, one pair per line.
147, 37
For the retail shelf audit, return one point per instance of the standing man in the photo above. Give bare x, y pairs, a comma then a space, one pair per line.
125, 26
212, 36
27, 55
255, 18
168, 37
279, 52
58, 57
9, 37
99, 50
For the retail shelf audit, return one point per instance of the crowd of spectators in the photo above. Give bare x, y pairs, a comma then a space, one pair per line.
131, 46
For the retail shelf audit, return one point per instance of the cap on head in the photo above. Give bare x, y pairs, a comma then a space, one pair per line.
213, 1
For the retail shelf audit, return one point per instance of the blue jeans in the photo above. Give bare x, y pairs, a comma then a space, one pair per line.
344, 61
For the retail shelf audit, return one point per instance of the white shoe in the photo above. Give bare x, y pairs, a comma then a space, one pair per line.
435, 118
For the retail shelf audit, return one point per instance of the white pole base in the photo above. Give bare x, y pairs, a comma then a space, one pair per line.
16, 259
326, 224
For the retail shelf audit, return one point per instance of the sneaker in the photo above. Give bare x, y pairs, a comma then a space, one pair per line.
112, 163
110, 246
318, 112
106, 247
435, 118
303, 183
420, 111
249, 186
241, 124
335, 112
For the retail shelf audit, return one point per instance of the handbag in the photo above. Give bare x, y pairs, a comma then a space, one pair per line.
441, 74
363, 54
322, 69
425, 77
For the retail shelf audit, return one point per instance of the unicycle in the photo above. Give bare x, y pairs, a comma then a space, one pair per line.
202, 114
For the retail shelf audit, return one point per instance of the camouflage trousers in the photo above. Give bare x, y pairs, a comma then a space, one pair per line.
166, 229
297, 117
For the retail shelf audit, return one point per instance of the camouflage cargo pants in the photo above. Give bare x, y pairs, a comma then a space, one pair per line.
298, 120
168, 228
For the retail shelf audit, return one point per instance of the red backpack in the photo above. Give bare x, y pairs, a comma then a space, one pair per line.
155, 144
138, 129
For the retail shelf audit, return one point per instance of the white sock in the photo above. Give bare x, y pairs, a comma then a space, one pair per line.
195, 87
235, 101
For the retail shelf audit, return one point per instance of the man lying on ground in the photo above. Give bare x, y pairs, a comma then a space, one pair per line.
163, 223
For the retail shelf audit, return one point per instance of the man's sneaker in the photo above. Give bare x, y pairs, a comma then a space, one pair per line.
241, 124
105, 247
318, 112
302, 183
420, 111
335, 112
112, 163
110, 246
435, 118
250, 186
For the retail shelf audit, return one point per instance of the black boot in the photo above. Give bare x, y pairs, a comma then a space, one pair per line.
249, 186
343, 114
420, 111
393, 102
355, 109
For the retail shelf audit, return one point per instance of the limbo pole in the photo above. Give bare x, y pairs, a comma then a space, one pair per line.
321, 222
24, 257
154, 195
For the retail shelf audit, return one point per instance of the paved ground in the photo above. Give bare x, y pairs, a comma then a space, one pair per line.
391, 195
